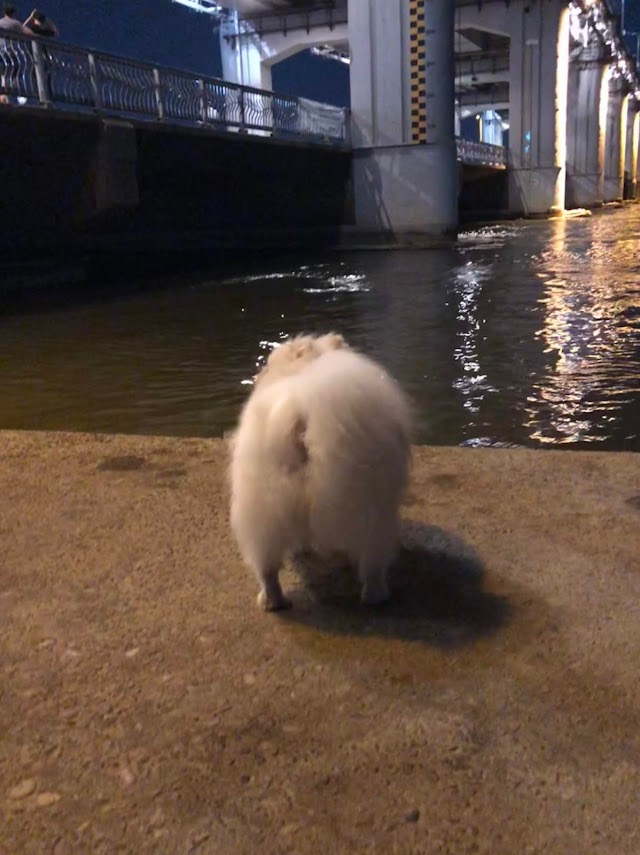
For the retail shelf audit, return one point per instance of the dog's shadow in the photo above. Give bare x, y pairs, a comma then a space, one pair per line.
437, 593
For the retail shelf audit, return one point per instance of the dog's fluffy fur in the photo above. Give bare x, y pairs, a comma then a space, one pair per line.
320, 461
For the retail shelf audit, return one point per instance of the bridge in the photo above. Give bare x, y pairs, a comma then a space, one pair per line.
67, 77
558, 73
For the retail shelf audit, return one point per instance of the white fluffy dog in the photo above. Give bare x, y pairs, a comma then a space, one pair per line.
320, 461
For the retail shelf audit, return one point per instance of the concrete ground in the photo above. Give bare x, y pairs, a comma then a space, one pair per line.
147, 705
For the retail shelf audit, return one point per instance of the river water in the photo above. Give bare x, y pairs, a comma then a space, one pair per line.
519, 334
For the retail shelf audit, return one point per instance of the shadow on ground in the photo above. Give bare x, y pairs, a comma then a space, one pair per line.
437, 594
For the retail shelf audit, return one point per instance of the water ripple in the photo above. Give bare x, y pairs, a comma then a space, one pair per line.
524, 334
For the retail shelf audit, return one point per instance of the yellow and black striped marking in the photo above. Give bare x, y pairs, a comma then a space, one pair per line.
417, 60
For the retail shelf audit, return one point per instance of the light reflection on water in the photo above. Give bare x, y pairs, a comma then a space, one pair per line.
466, 284
525, 334
592, 308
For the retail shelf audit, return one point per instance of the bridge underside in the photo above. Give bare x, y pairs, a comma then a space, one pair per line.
521, 78
482, 56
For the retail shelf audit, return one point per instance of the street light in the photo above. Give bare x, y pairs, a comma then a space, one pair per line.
479, 118
206, 6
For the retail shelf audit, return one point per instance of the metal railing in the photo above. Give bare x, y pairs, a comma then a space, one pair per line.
51, 74
481, 154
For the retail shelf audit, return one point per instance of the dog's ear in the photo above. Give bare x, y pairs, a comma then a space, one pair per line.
300, 348
334, 341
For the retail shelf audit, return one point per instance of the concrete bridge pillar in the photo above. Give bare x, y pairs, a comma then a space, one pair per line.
586, 120
615, 141
631, 150
539, 60
402, 104
242, 55
114, 174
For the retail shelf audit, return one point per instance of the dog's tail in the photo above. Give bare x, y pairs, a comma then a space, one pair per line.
285, 436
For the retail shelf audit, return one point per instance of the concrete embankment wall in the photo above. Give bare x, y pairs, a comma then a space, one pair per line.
74, 183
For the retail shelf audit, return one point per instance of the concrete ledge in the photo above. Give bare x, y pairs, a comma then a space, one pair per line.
148, 706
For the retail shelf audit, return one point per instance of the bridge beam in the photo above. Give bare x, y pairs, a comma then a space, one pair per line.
402, 101
249, 55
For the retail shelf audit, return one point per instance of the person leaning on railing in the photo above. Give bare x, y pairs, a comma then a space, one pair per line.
39, 25
44, 28
10, 24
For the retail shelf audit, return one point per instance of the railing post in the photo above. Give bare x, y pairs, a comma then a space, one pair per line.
299, 128
242, 129
277, 115
203, 102
157, 88
41, 73
270, 112
94, 79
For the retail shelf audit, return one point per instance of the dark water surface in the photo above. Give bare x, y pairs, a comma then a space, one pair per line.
526, 333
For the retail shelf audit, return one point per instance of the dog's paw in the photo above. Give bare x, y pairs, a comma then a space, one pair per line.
271, 603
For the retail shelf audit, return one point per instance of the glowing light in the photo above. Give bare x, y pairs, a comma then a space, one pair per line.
635, 139
328, 52
208, 7
578, 26
602, 124
623, 138
562, 86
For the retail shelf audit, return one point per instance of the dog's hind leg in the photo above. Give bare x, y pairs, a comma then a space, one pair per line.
263, 543
271, 598
375, 587
373, 565
265, 561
